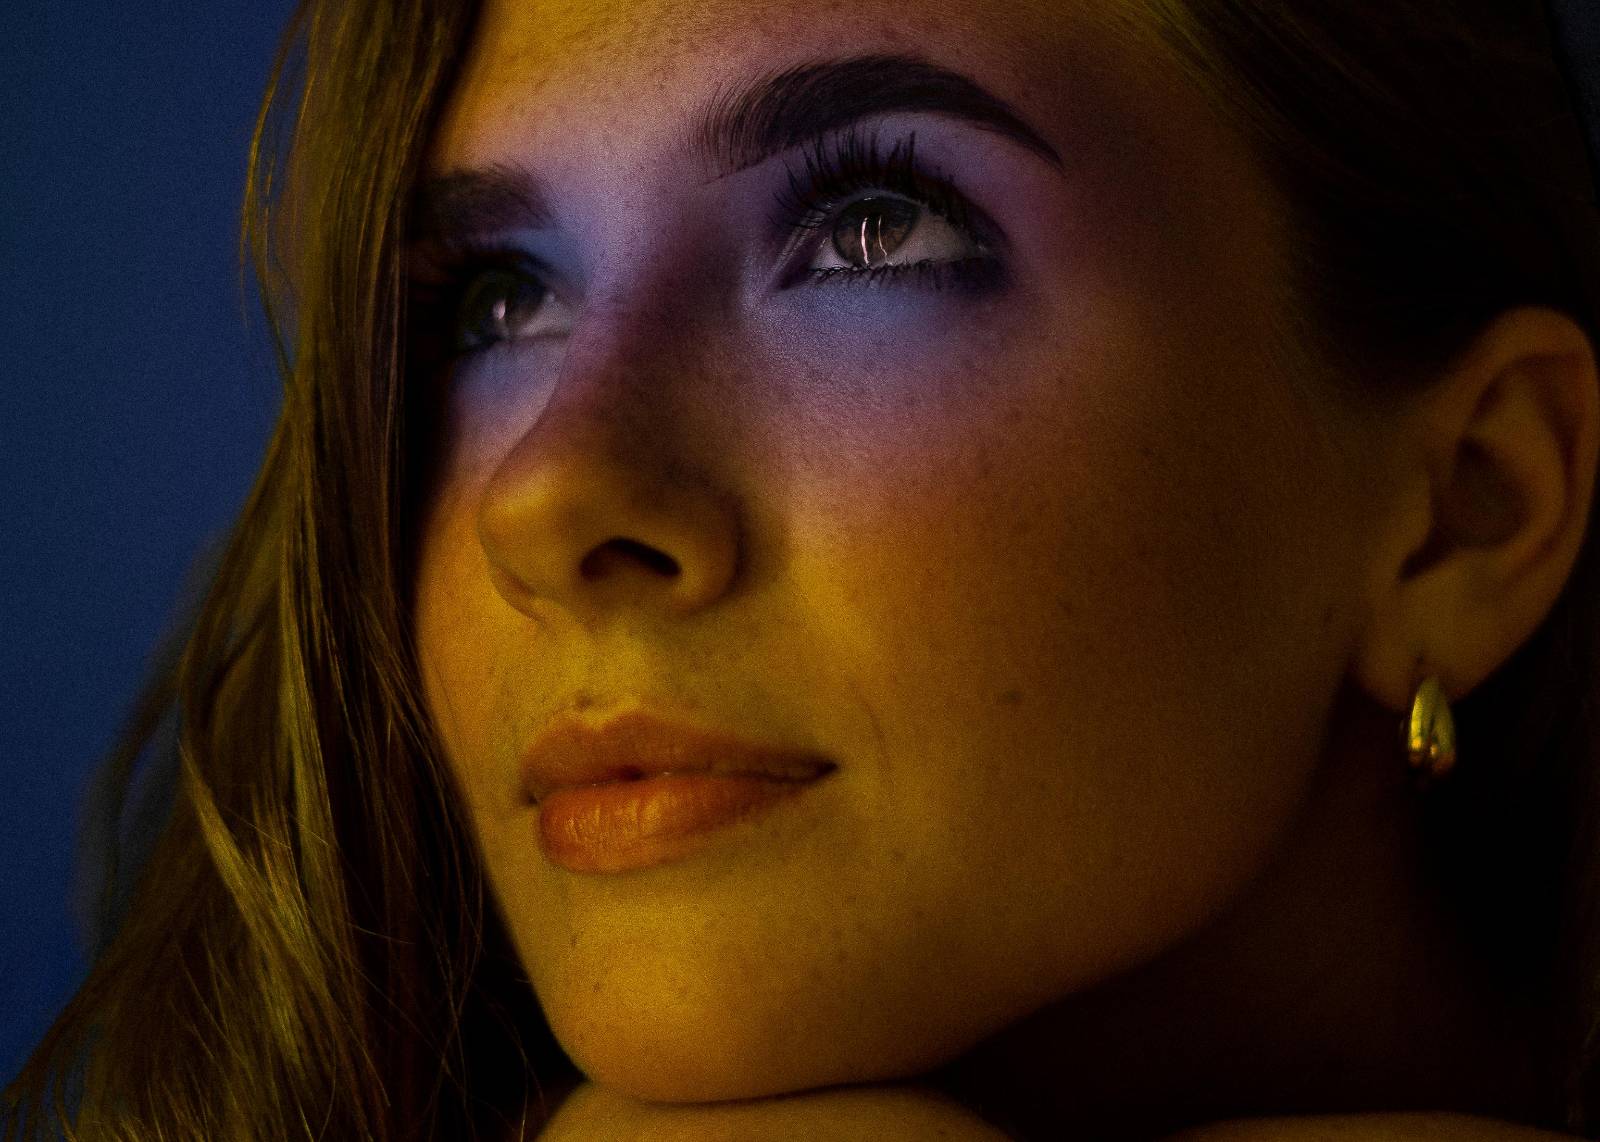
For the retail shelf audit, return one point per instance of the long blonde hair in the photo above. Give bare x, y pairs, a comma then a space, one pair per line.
308, 950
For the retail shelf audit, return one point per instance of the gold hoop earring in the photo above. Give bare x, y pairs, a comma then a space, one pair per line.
1429, 736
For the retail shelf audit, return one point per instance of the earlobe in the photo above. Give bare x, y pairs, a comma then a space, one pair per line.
1509, 441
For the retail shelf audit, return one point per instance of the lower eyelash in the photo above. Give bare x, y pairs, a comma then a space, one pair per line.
971, 275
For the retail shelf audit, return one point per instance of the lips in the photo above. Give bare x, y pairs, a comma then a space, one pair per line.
638, 745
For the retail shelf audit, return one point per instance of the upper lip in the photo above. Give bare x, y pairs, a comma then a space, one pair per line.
639, 744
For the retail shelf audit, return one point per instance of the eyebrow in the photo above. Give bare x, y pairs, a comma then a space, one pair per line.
736, 130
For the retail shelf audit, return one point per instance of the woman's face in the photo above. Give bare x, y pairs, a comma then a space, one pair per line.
1062, 569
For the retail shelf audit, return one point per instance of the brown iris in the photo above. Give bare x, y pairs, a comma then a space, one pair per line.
871, 229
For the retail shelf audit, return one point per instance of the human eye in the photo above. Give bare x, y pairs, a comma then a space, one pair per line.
477, 296
923, 212
468, 295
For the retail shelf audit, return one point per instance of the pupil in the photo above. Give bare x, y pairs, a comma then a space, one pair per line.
872, 229
495, 303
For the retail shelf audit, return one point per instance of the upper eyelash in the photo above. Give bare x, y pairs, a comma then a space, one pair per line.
835, 169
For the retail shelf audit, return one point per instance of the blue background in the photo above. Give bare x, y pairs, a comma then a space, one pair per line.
137, 393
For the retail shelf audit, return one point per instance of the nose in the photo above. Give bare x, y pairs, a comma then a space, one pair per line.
608, 502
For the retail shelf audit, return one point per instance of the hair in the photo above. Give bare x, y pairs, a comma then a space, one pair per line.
310, 932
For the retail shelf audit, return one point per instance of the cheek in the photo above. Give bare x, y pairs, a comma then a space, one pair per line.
1085, 617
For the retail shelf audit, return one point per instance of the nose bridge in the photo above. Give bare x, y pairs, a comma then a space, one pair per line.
655, 329
634, 362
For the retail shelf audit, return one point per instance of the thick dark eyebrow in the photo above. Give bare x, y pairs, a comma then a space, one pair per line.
736, 130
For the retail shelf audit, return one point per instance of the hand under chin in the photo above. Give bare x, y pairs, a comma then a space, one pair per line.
908, 1113
594, 1113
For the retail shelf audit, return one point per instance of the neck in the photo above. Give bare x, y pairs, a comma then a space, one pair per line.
1337, 983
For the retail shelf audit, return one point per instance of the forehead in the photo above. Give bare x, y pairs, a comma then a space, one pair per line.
626, 68
661, 37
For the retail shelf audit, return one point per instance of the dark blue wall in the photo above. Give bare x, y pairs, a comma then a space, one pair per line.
135, 402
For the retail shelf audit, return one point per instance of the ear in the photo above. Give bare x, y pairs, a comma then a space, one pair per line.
1495, 474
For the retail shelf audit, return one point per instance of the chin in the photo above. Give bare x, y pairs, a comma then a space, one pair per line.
718, 1058
668, 1064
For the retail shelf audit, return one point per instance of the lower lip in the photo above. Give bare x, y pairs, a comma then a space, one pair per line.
619, 826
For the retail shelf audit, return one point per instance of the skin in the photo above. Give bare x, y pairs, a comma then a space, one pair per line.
1102, 609
892, 1113
882, 1113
